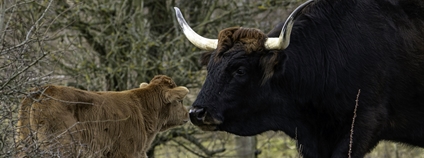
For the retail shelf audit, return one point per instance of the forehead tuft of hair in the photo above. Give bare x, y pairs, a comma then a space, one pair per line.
164, 81
252, 40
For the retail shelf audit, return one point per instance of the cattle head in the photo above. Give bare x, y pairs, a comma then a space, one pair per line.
242, 62
173, 112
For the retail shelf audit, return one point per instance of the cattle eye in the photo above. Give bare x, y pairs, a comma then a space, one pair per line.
240, 71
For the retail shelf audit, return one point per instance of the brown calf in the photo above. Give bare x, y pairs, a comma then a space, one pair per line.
68, 122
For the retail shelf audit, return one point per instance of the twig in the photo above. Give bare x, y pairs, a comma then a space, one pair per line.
38, 20
200, 146
27, 39
96, 121
60, 100
16, 46
299, 146
23, 70
353, 123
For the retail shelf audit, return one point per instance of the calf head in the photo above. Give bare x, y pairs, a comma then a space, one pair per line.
173, 112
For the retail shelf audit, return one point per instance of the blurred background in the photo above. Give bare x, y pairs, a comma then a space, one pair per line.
113, 45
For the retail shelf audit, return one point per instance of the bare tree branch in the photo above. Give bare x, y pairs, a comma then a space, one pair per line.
23, 70
353, 123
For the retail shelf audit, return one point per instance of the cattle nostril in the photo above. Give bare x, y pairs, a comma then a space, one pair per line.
198, 113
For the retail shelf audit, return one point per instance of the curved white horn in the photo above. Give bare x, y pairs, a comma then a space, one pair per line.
283, 41
193, 37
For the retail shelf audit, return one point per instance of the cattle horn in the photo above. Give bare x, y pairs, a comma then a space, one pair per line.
283, 41
193, 37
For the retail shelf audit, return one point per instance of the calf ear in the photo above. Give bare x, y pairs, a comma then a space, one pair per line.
176, 93
144, 84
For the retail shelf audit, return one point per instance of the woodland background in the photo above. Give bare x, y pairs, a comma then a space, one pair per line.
116, 45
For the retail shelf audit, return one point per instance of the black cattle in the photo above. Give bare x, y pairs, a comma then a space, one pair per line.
306, 83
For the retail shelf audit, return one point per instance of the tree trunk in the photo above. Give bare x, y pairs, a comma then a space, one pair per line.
246, 146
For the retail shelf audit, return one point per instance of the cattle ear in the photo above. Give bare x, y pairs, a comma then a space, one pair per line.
144, 84
176, 93
269, 64
204, 60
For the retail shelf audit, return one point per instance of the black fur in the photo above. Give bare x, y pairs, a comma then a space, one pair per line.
337, 47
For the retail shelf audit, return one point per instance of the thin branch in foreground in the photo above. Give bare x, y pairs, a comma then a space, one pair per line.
38, 21
299, 146
23, 70
205, 150
353, 123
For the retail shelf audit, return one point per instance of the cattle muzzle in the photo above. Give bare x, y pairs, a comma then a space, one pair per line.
201, 118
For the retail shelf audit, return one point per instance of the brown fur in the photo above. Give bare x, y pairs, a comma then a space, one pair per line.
69, 122
252, 40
